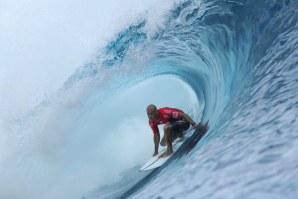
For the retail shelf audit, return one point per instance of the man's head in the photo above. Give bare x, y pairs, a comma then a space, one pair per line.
152, 112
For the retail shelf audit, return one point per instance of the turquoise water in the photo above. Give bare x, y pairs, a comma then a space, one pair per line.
233, 63
240, 57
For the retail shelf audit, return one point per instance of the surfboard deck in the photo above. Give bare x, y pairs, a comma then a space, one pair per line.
156, 162
192, 139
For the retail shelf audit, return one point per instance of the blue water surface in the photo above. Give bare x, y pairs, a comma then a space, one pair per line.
241, 60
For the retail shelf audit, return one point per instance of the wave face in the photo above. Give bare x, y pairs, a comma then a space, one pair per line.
236, 61
240, 58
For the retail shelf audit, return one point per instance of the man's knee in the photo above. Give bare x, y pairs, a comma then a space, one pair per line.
167, 128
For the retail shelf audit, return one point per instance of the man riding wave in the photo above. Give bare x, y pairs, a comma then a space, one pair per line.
176, 122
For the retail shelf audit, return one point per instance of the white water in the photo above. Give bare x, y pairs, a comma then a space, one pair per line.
42, 44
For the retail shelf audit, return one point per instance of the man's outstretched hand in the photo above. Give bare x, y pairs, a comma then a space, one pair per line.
194, 126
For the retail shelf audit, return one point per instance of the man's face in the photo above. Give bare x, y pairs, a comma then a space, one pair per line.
152, 115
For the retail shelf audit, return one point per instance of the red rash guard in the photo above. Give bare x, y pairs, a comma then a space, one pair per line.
166, 115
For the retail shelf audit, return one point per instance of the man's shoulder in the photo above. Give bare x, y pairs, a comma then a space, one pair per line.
168, 110
165, 110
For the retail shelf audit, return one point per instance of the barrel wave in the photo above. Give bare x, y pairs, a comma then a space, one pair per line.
234, 63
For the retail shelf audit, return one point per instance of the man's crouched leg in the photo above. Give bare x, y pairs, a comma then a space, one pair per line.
167, 129
163, 141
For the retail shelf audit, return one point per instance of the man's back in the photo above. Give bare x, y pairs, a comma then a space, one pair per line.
166, 114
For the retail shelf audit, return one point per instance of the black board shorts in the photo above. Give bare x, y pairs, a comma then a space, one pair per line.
178, 127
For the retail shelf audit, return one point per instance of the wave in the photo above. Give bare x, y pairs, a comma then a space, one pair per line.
229, 62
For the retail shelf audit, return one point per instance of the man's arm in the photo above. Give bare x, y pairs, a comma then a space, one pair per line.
188, 118
156, 143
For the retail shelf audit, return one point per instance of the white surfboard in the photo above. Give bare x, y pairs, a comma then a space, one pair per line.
156, 162
194, 134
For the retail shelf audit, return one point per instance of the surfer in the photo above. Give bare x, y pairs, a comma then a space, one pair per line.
176, 122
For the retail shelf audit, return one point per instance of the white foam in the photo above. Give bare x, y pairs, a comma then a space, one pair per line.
71, 148
44, 42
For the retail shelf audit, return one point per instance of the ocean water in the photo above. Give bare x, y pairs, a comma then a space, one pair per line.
234, 63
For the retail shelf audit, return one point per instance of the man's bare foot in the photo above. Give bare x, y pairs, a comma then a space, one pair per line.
166, 154
181, 134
